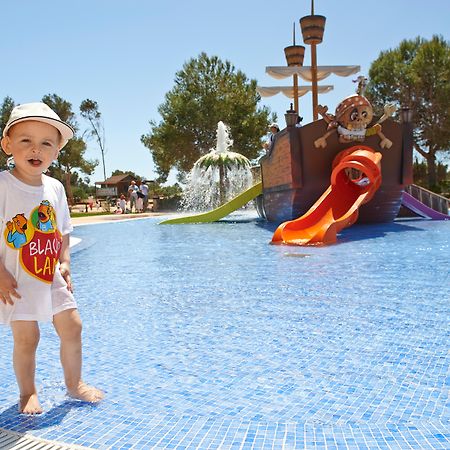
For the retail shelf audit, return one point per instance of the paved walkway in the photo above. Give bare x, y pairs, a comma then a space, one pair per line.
90, 219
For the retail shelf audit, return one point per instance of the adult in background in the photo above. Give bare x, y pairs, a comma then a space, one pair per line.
143, 189
274, 129
132, 195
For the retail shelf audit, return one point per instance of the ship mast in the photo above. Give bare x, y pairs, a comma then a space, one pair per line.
294, 57
313, 27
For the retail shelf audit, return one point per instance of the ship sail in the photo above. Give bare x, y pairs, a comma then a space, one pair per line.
288, 91
305, 72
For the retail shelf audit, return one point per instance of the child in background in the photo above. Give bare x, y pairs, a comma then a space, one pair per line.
123, 204
35, 281
140, 202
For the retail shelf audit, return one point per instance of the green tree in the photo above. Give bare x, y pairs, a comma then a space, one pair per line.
71, 157
416, 75
443, 176
167, 191
80, 187
206, 91
89, 111
128, 172
5, 111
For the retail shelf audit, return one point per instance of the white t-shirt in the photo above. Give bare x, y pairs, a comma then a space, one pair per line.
144, 189
133, 189
33, 220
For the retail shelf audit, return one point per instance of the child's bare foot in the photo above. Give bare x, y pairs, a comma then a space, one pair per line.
29, 404
86, 393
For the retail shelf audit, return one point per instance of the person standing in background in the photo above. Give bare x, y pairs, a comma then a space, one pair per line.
143, 188
274, 129
132, 195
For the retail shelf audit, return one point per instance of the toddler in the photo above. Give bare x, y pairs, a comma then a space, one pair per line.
35, 282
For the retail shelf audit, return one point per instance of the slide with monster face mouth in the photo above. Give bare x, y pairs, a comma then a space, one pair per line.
223, 210
355, 177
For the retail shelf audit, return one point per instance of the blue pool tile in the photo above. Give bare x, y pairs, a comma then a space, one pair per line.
231, 344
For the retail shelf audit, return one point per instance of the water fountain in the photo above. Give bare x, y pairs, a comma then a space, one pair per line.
217, 176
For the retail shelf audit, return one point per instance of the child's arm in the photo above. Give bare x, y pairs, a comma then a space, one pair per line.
8, 285
64, 261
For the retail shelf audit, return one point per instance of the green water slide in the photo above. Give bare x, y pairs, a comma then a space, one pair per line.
222, 211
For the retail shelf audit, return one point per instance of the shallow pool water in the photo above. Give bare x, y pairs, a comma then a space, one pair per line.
205, 336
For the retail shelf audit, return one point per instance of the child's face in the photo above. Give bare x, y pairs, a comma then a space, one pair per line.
34, 146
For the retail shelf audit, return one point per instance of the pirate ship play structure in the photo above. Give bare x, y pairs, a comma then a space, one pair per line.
330, 173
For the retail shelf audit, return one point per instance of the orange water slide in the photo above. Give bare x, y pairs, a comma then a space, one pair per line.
355, 177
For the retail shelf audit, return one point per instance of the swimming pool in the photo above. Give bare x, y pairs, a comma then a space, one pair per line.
205, 336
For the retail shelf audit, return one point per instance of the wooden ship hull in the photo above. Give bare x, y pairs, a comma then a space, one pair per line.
295, 173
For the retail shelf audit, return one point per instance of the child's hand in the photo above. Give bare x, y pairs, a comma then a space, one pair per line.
64, 268
8, 285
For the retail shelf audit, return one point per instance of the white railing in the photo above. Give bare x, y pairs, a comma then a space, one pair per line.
431, 199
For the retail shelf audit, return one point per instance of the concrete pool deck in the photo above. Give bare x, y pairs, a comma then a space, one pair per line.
104, 218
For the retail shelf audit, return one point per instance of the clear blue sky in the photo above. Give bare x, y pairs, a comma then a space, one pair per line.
124, 54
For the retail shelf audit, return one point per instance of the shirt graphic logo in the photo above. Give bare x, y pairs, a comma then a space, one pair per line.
37, 239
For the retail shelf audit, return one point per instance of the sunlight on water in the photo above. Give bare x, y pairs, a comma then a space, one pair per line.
203, 331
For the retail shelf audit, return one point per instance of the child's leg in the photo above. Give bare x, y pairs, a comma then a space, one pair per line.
68, 326
26, 339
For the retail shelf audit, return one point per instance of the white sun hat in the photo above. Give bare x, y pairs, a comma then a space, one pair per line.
39, 112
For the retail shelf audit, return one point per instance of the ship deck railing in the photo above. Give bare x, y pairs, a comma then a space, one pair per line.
431, 199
